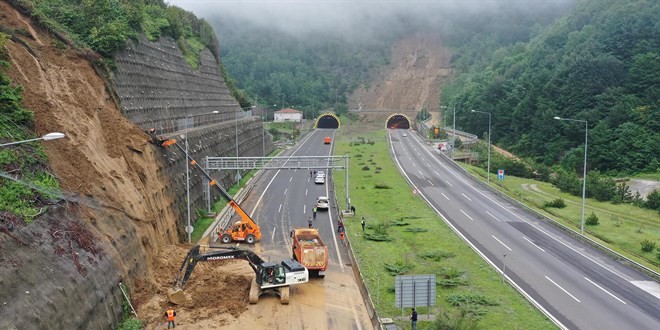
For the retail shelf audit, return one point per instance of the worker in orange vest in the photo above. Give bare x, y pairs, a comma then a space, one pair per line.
341, 237
170, 314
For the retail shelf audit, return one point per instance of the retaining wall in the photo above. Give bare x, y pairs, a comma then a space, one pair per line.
157, 88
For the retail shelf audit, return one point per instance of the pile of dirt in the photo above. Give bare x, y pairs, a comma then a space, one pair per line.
214, 291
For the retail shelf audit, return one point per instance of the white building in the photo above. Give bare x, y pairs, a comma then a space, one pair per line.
288, 115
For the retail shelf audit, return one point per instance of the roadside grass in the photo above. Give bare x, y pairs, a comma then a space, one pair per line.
621, 227
434, 251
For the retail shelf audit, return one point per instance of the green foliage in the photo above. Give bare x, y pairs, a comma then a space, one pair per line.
398, 268
591, 220
436, 255
647, 246
595, 64
416, 230
470, 298
460, 319
382, 186
557, 202
653, 200
448, 277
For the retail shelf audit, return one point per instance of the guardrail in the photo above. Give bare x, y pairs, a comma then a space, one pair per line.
616, 255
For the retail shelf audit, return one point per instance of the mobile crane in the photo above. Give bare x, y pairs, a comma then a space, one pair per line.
245, 230
271, 277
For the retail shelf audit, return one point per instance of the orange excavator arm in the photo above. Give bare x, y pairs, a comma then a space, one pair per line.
245, 218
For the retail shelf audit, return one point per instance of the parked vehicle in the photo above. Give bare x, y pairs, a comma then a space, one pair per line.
327, 140
322, 202
319, 180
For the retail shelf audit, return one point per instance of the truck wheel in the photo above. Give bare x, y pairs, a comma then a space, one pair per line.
250, 239
226, 238
284, 295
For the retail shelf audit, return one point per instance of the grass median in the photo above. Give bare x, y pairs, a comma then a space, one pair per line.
404, 236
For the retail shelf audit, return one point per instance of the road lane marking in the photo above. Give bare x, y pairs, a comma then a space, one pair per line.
305, 192
285, 190
598, 286
562, 289
420, 173
469, 217
524, 220
272, 237
464, 195
291, 178
304, 208
449, 183
530, 242
508, 248
280, 209
494, 216
547, 313
428, 165
443, 194
436, 172
430, 182
414, 164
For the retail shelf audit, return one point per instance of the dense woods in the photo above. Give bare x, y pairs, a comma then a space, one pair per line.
600, 63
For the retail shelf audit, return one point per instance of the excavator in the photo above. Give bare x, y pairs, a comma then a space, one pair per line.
271, 277
245, 230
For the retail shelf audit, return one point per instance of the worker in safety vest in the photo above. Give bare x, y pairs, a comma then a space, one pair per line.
170, 314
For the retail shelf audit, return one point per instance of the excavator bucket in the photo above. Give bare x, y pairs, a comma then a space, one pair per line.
176, 296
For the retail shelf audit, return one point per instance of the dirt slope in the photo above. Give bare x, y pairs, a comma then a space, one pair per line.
419, 67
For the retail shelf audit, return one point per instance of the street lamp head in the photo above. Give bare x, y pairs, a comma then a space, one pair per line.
472, 111
216, 111
558, 118
53, 136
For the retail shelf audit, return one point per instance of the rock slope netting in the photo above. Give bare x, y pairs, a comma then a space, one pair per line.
158, 89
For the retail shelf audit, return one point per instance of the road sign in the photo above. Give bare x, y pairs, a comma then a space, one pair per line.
414, 290
500, 174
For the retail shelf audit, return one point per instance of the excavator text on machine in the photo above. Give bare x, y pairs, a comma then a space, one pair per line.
245, 230
271, 277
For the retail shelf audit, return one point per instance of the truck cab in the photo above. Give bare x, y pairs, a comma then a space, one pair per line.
327, 140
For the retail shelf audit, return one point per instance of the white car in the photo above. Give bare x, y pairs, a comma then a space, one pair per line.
322, 202
320, 173
319, 180
405, 135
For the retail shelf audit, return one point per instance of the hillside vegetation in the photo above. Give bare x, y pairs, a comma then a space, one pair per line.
600, 64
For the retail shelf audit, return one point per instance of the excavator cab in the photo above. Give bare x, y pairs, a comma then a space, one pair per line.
271, 274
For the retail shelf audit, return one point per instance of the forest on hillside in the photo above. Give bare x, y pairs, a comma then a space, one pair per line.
598, 64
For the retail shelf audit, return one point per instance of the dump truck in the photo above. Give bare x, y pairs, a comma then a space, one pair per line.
327, 140
310, 251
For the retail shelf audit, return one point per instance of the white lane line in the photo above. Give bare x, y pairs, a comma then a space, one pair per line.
291, 178
449, 183
272, 237
280, 209
436, 172
414, 164
285, 190
465, 239
562, 289
309, 179
428, 165
598, 286
445, 196
305, 192
469, 217
430, 182
494, 216
420, 173
530, 242
304, 208
464, 195
410, 159
524, 220
508, 248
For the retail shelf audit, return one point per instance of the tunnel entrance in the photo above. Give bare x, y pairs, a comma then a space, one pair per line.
398, 120
327, 120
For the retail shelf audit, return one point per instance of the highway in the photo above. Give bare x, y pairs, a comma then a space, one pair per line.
574, 284
282, 200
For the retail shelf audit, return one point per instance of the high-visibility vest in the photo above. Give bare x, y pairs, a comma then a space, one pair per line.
170, 314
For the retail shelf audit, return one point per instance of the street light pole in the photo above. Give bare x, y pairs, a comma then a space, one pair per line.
47, 137
489, 120
453, 136
584, 170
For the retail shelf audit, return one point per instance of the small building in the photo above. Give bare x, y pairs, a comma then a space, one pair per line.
288, 114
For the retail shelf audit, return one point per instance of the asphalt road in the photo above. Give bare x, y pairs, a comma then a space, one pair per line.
282, 200
574, 284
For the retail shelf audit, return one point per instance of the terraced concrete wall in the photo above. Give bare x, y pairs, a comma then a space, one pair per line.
157, 88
